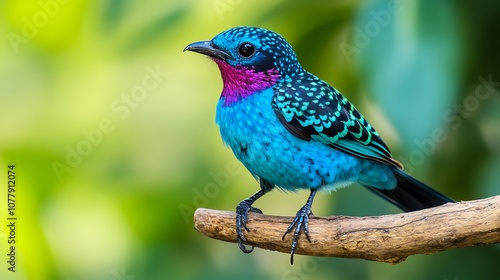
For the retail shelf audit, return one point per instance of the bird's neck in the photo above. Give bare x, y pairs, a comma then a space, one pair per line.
240, 81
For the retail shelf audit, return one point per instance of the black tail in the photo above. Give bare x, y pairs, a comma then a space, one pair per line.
411, 194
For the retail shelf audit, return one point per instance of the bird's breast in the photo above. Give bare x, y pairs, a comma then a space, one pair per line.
248, 125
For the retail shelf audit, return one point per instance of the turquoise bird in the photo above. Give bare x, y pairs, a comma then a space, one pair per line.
294, 131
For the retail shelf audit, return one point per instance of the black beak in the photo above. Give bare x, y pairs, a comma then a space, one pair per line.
208, 48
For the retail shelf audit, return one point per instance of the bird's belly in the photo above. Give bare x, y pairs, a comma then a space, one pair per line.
291, 163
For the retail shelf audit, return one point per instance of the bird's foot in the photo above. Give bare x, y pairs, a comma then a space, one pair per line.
300, 223
241, 222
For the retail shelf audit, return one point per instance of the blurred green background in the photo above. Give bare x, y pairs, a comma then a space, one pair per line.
111, 128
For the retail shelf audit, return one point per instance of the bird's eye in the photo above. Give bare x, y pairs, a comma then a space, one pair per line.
246, 50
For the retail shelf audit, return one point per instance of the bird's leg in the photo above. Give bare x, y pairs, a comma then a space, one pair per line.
301, 222
242, 210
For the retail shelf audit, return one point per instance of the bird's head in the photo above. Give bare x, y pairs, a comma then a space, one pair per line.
250, 60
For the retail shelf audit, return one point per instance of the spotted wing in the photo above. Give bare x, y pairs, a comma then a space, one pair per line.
313, 110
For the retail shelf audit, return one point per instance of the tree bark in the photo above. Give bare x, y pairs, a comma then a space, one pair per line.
388, 238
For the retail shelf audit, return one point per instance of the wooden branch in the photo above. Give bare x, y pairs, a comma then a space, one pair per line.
388, 238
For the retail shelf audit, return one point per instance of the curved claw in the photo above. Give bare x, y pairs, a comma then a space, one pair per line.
243, 248
300, 223
241, 223
255, 210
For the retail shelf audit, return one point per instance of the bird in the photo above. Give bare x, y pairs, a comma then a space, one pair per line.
294, 131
